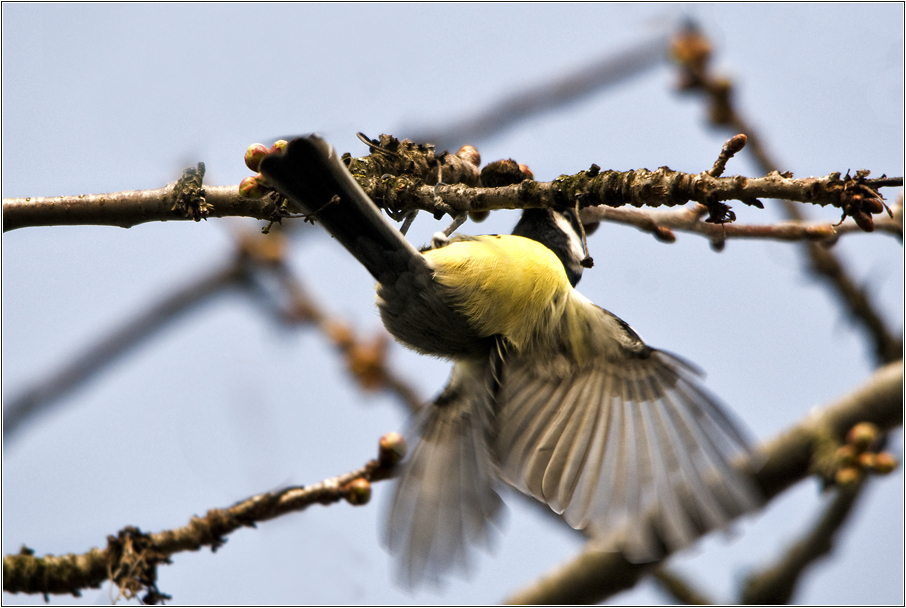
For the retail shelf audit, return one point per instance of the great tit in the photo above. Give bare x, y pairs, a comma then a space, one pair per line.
549, 393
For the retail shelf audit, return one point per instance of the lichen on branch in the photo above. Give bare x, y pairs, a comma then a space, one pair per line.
403, 177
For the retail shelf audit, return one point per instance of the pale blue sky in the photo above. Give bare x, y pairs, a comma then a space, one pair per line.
224, 403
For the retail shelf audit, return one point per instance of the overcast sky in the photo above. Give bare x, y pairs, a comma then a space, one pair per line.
225, 403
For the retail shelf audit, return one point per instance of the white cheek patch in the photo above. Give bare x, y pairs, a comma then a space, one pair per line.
576, 251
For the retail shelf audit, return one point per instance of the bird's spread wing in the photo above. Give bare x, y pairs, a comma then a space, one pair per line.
445, 500
628, 445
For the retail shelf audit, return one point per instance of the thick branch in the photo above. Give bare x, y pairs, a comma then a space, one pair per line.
595, 575
403, 194
127, 209
679, 588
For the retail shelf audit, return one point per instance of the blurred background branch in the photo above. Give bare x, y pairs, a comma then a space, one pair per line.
591, 577
552, 94
255, 254
37, 399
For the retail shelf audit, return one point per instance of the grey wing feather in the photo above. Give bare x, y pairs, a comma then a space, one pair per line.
445, 499
628, 446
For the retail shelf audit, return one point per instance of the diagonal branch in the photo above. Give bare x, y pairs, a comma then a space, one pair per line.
776, 585
521, 105
131, 557
679, 588
46, 391
366, 360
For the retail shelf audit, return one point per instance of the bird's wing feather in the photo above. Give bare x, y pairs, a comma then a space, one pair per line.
626, 445
445, 500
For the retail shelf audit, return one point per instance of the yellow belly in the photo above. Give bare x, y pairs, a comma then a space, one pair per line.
506, 285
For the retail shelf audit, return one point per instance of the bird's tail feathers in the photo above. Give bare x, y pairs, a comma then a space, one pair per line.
445, 502
313, 177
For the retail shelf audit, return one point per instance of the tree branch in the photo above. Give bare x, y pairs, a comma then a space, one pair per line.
661, 222
638, 188
128, 209
131, 557
403, 194
609, 70
594, 575
679, 588
692, 50
46, 391
366, 360
776, 585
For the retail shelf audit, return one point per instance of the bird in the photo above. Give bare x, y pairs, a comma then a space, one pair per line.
549, 393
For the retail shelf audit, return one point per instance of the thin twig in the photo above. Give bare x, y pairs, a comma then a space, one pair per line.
366, 359
255, 253
560, 91
659, 222
131, 557
693, 52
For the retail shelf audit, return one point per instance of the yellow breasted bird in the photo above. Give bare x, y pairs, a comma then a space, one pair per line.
549, 393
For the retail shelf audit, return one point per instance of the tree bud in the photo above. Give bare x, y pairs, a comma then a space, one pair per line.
392, 449
254, 156
358, 492
862, 435
250, 187
470, 155
848, 477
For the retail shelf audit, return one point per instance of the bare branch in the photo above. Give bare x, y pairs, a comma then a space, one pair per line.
859, 305
679, 588
594, 575
127, 209
131, 557
46, 391
660, 223
638, 188
403, 194
731, 147
609, 70
692, 50
366, 360
777, 584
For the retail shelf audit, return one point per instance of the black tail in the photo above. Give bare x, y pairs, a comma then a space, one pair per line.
311, 175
